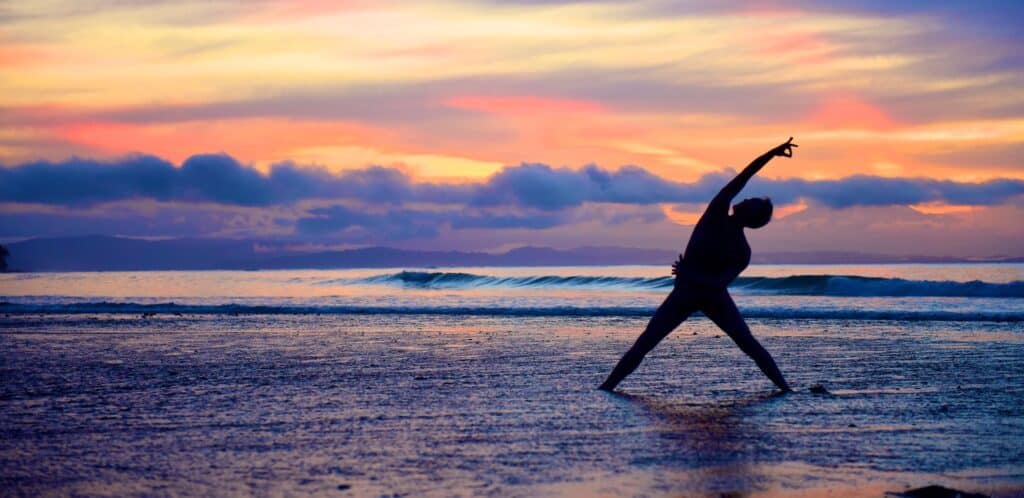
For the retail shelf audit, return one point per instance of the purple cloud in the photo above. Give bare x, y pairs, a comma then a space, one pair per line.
220, 179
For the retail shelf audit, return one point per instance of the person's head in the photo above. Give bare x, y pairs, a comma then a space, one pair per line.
755, 212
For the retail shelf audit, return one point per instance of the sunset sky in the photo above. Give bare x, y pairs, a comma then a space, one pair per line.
495, 124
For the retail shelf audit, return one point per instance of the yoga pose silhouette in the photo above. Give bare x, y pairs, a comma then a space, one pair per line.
716, 254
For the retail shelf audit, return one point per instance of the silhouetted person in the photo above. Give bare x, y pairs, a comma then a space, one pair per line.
716, 254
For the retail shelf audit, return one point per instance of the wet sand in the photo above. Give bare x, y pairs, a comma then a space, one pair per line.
438, 405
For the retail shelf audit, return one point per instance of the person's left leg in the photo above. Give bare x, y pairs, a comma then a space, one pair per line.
676, 307
721, 309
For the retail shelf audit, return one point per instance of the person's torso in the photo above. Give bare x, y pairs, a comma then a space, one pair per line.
716, 248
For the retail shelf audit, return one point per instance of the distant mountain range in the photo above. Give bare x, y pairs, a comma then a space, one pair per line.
104, 253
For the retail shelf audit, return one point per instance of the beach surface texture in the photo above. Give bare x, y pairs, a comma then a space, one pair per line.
407, 391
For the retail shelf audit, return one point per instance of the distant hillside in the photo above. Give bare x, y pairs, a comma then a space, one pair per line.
103, 253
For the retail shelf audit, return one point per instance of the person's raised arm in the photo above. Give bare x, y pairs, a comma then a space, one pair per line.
733, 188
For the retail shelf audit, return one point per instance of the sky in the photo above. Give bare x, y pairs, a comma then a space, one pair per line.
489, 125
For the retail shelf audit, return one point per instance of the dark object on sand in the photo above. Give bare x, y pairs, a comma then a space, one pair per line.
819, 389
934, 491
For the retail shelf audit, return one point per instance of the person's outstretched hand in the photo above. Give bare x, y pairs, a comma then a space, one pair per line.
784, 150
675, 266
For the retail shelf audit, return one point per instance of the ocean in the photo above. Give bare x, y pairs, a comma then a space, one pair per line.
969, 292
481, 381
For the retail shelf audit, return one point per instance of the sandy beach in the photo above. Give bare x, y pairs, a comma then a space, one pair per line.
350, 405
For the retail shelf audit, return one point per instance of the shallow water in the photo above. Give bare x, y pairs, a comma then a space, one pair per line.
502, 406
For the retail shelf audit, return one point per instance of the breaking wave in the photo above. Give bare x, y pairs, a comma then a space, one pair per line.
799, 285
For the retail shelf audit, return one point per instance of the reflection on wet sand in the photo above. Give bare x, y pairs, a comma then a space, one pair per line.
713, 441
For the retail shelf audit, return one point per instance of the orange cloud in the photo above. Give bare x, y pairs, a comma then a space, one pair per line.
257, 139
20, 55
849, 112
684, 218
943, 208
789, 209
766, 8
277, 10
797, 47
523, 105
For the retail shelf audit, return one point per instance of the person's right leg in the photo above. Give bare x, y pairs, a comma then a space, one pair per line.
721, 309
669, 315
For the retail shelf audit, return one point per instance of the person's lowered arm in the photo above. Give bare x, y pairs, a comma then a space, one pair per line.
720, 280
